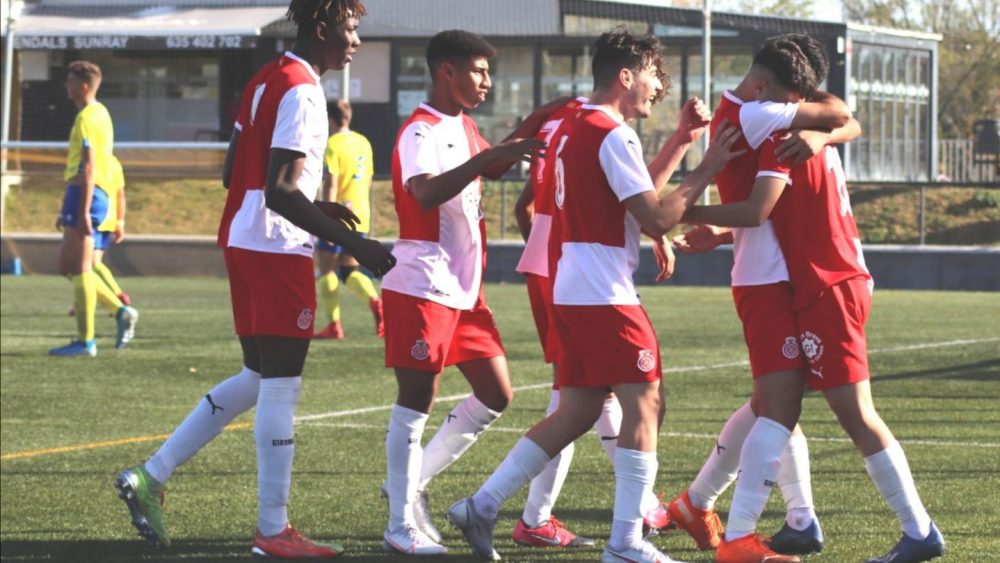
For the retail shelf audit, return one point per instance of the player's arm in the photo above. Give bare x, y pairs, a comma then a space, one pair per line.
88, 157
803, 144
751, 212
695, 117
227, 166
528, 127
822, 111
282, 196
656, 216
119, 234
524, 209
432, 190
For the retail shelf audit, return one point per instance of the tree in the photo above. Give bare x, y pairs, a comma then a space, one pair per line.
969, 55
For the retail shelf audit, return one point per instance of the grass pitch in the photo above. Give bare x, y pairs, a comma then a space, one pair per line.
68, 425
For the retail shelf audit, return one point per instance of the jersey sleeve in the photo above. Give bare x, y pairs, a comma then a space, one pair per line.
759, 119
767, 162
621, 159
244, 115
418, 151
296, 112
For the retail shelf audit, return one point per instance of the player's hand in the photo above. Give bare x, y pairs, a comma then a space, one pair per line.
514, 150
720, 151
665, 259
373, 256
340, 213
800, 145
695, 118
701, 238
119, 234
86, 225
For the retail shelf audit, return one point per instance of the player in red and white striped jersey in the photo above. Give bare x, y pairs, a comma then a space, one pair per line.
273, 171
604, 195
809, 207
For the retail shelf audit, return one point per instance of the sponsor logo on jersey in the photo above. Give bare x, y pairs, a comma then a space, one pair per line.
812, 345
283, 442
305, 319
420, 350
790, 349
646, 361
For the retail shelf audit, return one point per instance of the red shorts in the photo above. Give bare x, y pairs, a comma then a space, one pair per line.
427, 336
769, 327
540, 296
272, 294
832, 333
605, 345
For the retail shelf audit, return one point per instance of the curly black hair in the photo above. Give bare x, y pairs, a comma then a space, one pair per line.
620, 48
798, 62
307, 13
455, 45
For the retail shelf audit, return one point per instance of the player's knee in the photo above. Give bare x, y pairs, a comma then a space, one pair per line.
346, 271
497, 398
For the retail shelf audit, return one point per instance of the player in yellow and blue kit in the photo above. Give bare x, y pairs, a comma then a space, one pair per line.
347, 179
112, 229
91, 187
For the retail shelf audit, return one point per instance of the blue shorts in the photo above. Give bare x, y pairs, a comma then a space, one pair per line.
102, 239
71, 206
327, 246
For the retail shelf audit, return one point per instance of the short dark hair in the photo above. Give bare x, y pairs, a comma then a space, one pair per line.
86, 71
455, 45
339, 112
798, 62
620, 48
307, 13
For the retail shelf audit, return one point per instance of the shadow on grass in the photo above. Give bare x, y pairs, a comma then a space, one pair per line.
986, 370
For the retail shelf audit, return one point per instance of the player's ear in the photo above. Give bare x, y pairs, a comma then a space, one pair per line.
626, 77
321, 32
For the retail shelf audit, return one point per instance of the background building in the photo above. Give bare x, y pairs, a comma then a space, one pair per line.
175, 68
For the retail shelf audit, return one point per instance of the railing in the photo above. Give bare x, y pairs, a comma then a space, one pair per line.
957, 163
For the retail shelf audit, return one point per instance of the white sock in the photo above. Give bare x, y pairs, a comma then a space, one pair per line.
608, 425
403, 456
522, 464
759, 464
891, 474
545, 487
461, 429
635, 473
720, 469
274, 433
213, 412
796, 483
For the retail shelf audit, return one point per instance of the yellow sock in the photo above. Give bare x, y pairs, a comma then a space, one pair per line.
107, 277
361, 285
329, 299
85, 290
107, 297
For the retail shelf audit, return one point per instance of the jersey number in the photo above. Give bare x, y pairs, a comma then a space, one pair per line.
560, 174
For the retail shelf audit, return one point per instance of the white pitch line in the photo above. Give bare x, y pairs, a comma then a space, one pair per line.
680, 369
699, 436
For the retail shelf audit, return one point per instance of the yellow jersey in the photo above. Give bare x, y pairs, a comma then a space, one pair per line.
93, 128
348, 158
116, 183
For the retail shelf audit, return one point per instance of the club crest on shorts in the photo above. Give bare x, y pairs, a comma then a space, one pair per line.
790, 349
646, 361
812, 345
305, 319
420, 350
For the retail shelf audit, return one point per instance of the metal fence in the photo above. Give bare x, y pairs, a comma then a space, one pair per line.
957, 163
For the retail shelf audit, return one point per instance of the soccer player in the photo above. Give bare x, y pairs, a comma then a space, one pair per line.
89, 192
347, 180
603, 196
533, 210
435, 309
761, 291
811, 214
273, 171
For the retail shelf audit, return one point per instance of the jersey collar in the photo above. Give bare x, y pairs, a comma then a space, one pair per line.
301, 61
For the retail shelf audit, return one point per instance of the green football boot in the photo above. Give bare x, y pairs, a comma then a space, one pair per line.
143, 495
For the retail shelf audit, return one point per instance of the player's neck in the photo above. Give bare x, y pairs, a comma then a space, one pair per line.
86, 101
306, 53
442, 101
610, 102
